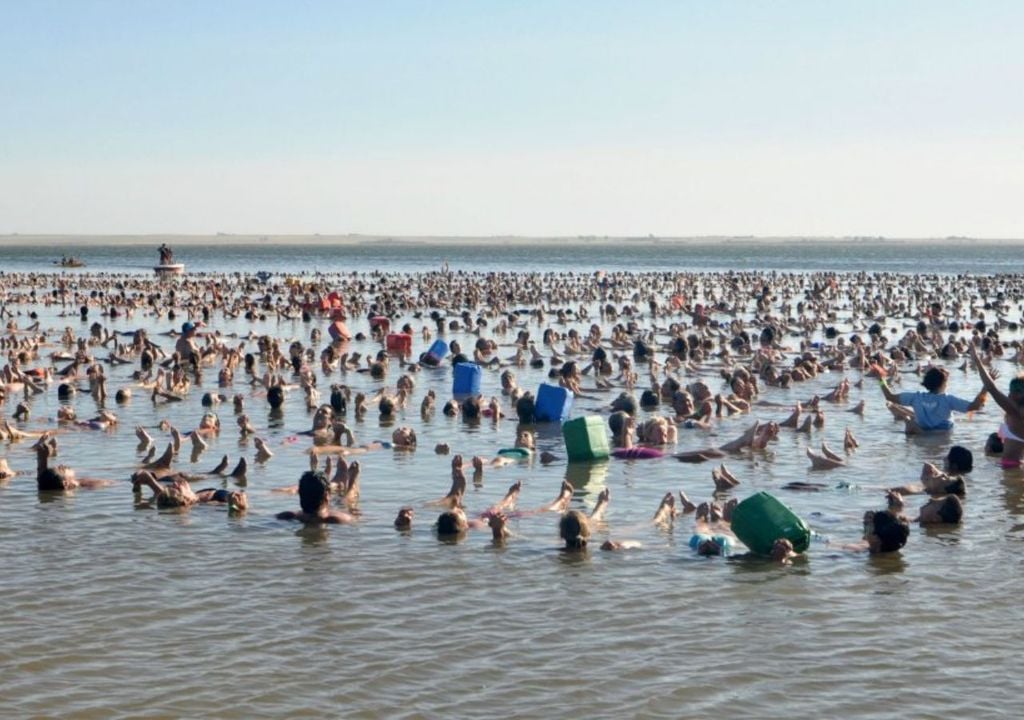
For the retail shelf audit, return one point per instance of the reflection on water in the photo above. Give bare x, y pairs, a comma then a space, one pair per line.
588, 478
113, 608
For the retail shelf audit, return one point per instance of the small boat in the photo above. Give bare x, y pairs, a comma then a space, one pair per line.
169, 269
70, 262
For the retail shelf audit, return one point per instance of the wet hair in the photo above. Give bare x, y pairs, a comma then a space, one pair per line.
892, 530
526, 408
648, 399
641, 351
625, 403
960, 459
617, 422
935, 378
994, 444
338, 402
669, 387
956, 486
471, 407
951, 510
386, 406
451, 523
275, 396
574, 529
313, 489
1017, 385
51, 480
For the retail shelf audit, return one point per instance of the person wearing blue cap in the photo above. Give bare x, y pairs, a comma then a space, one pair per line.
186, 347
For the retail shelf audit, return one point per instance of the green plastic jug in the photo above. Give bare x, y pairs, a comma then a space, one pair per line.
586, 438
762, 519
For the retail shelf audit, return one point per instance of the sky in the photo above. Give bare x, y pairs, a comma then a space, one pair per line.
513, 117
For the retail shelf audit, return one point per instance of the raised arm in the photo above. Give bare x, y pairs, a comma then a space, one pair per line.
989, 384
888, 393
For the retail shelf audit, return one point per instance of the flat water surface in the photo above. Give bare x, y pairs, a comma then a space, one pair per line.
111, 609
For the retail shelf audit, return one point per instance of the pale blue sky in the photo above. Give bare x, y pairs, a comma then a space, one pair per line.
532, 118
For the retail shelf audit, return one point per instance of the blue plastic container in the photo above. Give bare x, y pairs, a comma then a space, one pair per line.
437, 351
466, 379
553, 403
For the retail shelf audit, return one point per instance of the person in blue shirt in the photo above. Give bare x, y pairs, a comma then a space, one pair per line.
930, 411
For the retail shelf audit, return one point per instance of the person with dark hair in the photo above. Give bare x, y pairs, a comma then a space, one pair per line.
1011, 432
471, 407
934, 482
275, 396
454, 522
625, 402
61, 478
948, 510
884, 531
929, 411
945, 510
315, 502
175, 491
526, 408
959, 460
994, 444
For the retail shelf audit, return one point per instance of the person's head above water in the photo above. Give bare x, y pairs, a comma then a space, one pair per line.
404, 437
885, 531
1017, 390
625, 402
574, 529
994, 444
452, 522
617, 424
935, 379
959, 460
313, 491
275, 396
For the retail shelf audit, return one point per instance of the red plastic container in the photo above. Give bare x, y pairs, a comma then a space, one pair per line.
400, 343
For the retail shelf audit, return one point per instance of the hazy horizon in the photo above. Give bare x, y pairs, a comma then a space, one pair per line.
57, 241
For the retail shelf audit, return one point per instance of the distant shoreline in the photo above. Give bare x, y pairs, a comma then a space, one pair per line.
77, 241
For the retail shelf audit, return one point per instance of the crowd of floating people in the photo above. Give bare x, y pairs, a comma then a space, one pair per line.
663, 352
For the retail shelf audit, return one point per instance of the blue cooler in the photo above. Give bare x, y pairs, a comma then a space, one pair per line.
437, 352
553, 403
466, 379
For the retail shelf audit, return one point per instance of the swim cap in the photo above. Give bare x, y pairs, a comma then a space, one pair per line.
188, 327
